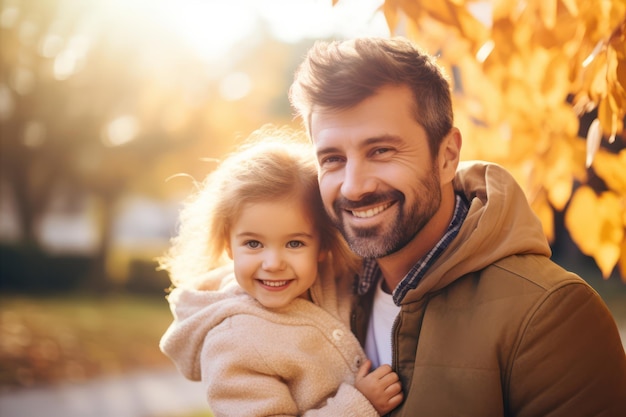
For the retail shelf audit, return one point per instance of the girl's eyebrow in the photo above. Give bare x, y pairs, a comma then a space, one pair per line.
247, 234
303, 235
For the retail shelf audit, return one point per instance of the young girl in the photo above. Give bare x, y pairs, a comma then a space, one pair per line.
273, 338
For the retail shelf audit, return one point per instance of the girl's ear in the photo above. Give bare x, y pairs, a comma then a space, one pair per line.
229, 250
322, 256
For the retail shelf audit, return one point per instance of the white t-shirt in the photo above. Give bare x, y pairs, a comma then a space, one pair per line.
378, 339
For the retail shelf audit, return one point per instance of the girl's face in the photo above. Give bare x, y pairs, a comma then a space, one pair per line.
276, 249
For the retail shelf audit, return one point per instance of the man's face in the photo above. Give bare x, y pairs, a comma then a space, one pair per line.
377, 178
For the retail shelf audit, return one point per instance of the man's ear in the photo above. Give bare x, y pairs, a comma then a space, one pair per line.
449, 155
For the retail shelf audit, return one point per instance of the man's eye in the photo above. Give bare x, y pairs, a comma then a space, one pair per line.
330, 160
294, 244
252, 244
380, 151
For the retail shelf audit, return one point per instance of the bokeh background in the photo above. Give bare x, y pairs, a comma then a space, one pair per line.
110, 109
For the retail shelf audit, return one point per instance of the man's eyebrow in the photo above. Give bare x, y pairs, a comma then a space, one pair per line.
327, 150
384, 138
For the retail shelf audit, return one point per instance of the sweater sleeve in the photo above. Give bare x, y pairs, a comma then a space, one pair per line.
569, 360
238, 381
347, 402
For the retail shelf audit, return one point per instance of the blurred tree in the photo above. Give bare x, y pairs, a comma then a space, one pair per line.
69, 109
524, 75
99, 103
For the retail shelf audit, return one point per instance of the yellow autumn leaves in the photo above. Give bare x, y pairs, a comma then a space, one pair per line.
523, 71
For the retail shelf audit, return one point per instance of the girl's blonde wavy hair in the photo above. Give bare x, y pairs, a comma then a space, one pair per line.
271, 164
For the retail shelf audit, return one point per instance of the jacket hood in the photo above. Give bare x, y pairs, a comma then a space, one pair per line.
499, 223
196, 311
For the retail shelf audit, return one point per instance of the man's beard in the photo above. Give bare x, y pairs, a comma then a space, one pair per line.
385, 239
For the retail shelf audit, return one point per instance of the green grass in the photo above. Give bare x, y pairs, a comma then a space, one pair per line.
45, 340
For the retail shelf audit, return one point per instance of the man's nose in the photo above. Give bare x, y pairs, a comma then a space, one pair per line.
358, 180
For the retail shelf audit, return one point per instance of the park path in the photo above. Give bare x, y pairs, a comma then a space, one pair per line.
145, 394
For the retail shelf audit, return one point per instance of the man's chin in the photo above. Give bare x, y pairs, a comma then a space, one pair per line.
366, 247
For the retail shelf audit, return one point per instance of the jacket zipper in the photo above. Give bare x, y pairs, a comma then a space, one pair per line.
394, 355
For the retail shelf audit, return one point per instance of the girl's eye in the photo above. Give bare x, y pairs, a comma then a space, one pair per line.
252, 244
294, 244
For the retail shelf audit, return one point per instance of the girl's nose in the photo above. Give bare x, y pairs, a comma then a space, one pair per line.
272, 260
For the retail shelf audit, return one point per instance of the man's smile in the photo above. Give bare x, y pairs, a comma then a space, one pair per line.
371, 212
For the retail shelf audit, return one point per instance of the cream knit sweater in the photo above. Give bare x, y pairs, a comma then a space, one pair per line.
300, 360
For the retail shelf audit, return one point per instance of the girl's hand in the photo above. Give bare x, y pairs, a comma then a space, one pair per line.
381, 387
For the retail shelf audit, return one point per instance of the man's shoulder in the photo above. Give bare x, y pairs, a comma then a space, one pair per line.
535, 270
515, 277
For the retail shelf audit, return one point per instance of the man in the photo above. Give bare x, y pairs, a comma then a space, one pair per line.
458, 292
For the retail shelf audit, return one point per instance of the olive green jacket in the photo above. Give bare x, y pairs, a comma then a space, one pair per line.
497, 329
